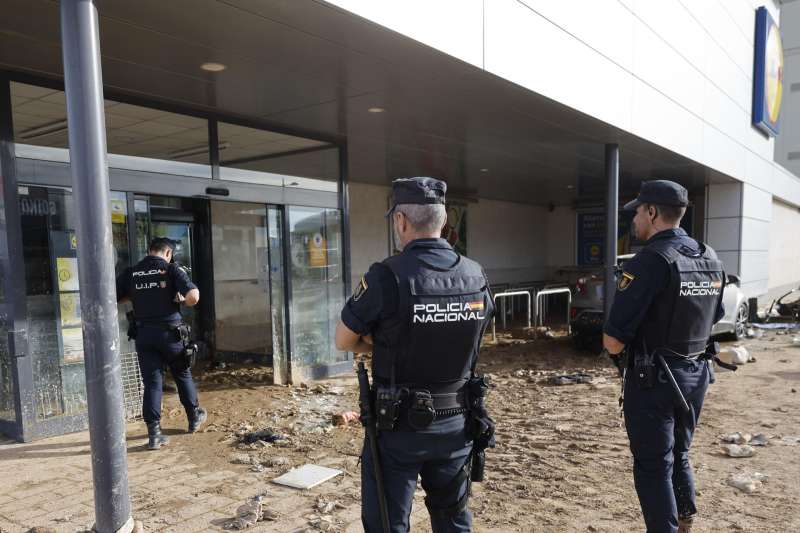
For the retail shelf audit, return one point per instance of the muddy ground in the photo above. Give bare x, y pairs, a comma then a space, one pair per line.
561, 463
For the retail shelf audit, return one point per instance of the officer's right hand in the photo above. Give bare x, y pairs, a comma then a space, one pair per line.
179, 299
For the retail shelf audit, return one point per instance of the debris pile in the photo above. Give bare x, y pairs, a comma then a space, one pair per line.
747, 483
250, 514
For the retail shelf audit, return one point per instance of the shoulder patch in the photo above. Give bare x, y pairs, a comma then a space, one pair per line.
625, 281
361, 288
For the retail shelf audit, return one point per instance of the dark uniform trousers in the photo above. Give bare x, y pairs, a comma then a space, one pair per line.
437, 455
660, 434
156, 347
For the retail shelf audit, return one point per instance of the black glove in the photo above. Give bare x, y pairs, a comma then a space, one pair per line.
620, 360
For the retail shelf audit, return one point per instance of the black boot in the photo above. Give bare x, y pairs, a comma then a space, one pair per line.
155, 439
197, 419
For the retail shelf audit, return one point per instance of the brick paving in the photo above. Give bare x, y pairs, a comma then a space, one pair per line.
48, 483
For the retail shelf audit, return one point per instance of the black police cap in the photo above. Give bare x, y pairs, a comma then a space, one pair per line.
420, 190
659, 192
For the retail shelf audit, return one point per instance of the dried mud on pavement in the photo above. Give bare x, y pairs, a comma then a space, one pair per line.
561, 463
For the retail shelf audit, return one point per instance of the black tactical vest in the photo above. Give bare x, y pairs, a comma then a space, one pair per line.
434, 336
153, 291
682, 315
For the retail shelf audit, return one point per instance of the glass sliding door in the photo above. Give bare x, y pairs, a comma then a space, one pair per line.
317, 289
240, 243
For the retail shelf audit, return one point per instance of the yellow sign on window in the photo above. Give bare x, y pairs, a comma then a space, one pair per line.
317, 251
67, 274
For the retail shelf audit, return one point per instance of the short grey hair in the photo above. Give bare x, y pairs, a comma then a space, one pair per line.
424, 218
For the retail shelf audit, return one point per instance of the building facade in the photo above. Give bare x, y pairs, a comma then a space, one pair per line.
263, 137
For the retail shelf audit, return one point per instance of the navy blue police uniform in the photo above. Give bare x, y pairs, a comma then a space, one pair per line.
426, 310
668, 298
151, 286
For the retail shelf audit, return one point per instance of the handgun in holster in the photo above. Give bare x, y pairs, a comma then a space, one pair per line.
133, 329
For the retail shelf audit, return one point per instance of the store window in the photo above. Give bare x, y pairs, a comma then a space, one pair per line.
55, 340
316, 283
40, 120
259, 156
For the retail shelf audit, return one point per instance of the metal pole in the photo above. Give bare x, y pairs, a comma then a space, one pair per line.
612, 210
87, 146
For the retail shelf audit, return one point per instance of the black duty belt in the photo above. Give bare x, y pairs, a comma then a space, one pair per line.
445, 404
169, 326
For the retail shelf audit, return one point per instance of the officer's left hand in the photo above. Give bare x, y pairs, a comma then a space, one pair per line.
179, 298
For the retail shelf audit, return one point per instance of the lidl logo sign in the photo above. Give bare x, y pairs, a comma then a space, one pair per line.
767, 74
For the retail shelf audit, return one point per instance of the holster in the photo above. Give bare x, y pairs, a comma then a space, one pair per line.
133, 329
188, 356
644, 370
480, 426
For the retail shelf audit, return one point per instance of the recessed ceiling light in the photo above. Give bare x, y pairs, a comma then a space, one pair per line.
213, 67
484, 170
570, 186
376, 110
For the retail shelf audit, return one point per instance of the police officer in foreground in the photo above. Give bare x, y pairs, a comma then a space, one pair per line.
157, 287
668, 297
422, 314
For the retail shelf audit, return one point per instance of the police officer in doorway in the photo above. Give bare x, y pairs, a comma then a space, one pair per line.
157, 287
668, 297
422, 314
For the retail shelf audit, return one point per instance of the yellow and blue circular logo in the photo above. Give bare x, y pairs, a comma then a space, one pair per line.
767, 74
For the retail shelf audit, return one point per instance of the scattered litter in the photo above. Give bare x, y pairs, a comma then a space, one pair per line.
769, 424
734, 355
747, 483
276, 460
321, 523
796, 341
737, 438
266, 435
736, 450
777, 325
249, 514
307, 476
780, 409
754, 333
790, 440
41, 529
544, 331
571, 379
258, 468
759, 439
241, 459
343, 419
327, 507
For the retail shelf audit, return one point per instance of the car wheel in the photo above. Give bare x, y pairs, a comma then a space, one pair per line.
740, 322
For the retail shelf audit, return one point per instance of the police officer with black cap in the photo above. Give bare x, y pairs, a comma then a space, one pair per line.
422, 314
667, 299
157, 287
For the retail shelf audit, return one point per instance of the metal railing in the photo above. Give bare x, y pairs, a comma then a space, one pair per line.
539, 306
510, 295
